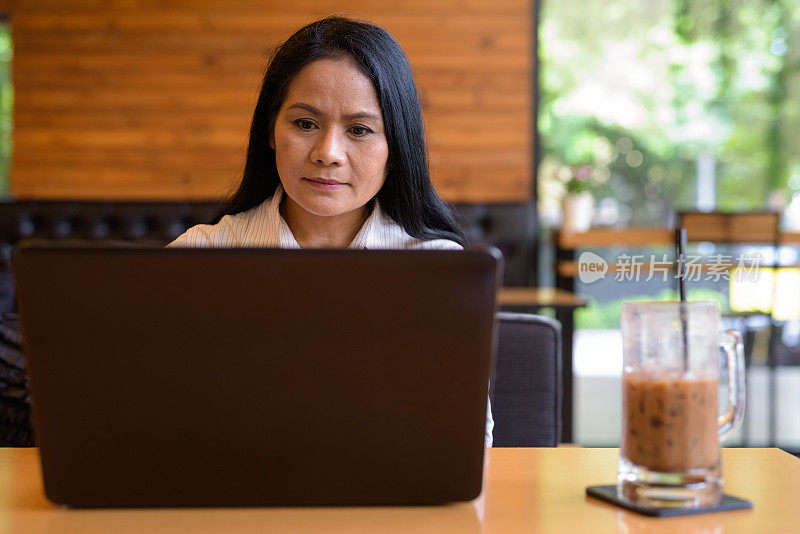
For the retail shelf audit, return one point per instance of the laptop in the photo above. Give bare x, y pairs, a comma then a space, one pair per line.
253, 377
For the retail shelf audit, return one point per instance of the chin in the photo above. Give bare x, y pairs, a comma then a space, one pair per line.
325, 207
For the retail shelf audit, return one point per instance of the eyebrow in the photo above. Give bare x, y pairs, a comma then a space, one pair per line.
351, 116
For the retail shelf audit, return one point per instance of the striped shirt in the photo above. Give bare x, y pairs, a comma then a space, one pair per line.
263, 226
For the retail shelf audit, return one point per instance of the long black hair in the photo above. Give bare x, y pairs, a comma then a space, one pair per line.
407, 195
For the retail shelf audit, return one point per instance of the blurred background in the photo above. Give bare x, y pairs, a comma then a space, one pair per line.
663, 107
642, 109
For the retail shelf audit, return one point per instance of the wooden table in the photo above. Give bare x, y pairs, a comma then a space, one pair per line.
539, 297
526, 491
532, 299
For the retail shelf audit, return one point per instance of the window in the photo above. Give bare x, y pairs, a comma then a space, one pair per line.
672, 104
6, 105
657, 107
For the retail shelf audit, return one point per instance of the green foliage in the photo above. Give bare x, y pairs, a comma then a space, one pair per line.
578, 181
646, 89
636, 171
606, 316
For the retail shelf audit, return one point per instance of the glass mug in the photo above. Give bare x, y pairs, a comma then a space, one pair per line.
671, 430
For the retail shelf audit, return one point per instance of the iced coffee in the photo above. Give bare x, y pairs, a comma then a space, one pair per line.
671, 427
670, 421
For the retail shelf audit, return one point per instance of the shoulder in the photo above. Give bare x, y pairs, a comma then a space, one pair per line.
228, 232
435, 244
389, 234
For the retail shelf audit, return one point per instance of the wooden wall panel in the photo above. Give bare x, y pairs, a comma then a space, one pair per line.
153, 98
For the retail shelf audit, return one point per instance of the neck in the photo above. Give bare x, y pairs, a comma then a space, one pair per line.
317, 231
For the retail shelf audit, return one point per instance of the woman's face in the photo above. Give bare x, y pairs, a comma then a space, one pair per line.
329, 142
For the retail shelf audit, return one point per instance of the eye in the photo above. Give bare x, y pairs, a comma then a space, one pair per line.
304, 124
360, 131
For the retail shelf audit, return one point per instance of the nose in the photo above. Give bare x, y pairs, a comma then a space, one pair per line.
328, 149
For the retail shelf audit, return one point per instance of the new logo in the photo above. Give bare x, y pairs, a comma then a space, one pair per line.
591, 267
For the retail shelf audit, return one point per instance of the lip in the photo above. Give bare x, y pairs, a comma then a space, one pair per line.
324, 183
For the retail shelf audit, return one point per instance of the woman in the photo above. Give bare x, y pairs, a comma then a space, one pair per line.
337, 154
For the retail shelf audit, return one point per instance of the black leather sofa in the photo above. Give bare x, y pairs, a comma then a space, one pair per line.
510, 227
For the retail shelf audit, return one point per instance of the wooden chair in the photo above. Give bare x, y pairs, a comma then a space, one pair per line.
731, 227
754, 228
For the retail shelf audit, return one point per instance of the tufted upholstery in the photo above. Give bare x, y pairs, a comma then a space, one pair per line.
510, 227
526, 388
128, 221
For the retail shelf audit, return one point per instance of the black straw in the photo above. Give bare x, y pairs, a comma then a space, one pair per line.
680, 246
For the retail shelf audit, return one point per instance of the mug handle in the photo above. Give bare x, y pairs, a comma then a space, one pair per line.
733, 346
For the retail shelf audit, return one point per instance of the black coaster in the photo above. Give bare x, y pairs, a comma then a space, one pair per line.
609, 494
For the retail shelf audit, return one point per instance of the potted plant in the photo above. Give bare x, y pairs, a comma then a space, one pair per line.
577, 207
